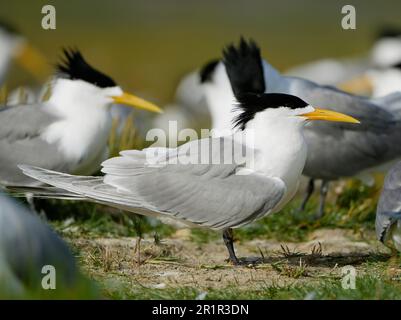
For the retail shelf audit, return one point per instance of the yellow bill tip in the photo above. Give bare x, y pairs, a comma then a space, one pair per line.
136, 102
329, 115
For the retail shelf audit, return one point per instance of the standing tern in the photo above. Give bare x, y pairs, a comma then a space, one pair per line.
334, 150
209, 182
69, 132
388, 214
14, 46
375, 82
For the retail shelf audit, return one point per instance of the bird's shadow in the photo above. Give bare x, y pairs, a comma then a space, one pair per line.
316, 260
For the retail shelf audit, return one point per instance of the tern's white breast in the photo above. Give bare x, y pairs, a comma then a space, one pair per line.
82, 139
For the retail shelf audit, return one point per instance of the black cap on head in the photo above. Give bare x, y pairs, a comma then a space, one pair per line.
206, 72
5, 26
75, 67
252, 103
244, 67
389, 32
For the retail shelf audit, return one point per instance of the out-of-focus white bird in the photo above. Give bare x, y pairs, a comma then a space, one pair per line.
385, 52
13, 46
26, 246
70, 131
375, 82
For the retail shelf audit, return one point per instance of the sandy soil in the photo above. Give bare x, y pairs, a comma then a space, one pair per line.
178, 262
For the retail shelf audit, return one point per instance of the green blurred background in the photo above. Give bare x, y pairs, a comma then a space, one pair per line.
147, 45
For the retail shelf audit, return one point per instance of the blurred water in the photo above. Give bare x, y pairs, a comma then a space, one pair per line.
148, 45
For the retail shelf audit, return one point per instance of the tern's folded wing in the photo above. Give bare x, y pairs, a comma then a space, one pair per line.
21, 143
211, 195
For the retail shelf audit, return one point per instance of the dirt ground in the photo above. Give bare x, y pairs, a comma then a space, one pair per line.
178, 262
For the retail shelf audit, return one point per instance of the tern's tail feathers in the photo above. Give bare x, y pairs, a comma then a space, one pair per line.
42, 192
91, 189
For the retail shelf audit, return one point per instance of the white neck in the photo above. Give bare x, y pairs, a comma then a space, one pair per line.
281, 148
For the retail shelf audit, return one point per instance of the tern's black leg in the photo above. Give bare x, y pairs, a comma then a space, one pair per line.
229, 242
309, 191
324, 188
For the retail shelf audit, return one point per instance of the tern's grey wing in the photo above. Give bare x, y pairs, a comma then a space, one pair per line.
27, 244
389, 205
21, 143
209, 195
340, 149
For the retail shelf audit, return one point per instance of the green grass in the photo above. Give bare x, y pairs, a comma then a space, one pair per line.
366, 287
83, 219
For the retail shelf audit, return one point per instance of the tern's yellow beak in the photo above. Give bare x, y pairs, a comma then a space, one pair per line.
33, 61
328, 115
136, 102
359, 85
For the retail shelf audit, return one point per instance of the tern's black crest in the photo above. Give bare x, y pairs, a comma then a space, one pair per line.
251, 103
75, 67
4, 25
389, 32
244, 67
207, 70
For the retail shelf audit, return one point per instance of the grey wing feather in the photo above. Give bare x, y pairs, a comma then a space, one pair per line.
20, 143
389, 206
353, 148
208, 195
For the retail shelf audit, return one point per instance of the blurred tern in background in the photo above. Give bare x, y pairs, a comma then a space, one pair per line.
388, 214
385, 53
70, 131
26, 246
13, 46
217, 193
375, 82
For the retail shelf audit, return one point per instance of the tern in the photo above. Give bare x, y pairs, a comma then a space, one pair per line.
14, 46
68, 132
209, 182
388, 213
376, 82
26, 246
385, 52
334, 150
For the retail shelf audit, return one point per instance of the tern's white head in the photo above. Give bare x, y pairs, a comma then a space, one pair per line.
81, 98
81, 89
386, 51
